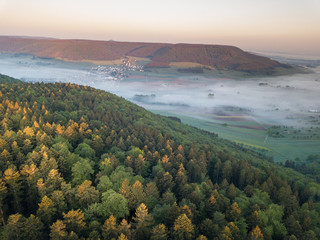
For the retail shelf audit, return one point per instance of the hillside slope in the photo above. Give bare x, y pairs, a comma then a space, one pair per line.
80, 162
161, 54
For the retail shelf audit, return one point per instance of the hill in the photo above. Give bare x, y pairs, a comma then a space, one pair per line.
160, 54
77, 162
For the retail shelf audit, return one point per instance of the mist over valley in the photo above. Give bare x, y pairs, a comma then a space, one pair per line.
231, 107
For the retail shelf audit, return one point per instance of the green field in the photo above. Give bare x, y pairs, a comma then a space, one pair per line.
279, 71
294, 143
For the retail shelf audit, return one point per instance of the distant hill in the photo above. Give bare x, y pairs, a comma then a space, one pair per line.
160, 54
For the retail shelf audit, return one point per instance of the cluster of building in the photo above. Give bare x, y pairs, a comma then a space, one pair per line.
118, 72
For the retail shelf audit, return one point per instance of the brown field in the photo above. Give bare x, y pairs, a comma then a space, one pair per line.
116, 62
189, 65
255, 127
233, 118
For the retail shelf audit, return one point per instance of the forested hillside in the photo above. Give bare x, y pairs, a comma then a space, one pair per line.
81, 163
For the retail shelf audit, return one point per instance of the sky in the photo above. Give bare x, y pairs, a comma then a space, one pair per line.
278, 26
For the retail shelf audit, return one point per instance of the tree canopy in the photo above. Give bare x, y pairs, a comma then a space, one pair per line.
77, 162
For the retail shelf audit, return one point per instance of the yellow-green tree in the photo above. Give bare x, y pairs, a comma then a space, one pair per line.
58, 231
230, 232
74, 221
87, 194
159, 232
110, 229
125, 228
46, 210
142, 222
14, 228
183, 228
201, 237
3, 191
255, 234
136, 195
12, 177
233, 213
122, 237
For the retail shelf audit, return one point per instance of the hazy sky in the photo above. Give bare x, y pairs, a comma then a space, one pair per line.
256, 25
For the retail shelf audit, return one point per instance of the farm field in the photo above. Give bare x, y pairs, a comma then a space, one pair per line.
293, 143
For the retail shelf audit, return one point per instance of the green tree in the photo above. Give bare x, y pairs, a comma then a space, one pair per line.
58, 200
115, 204
152, 195
208, 228
231, 191
12, 179
272, 221
104, 184
14, 228
85, 151
81, 170
164, 181
3, 192
33, 228
293, 226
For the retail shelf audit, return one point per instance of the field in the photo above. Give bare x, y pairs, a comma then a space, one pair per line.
293, 143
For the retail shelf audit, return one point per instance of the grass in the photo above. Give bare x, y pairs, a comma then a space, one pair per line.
281, 149
279, 71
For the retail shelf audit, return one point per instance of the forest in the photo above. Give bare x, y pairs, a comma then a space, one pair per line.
82, 163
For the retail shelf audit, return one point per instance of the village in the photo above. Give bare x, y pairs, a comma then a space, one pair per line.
118, 72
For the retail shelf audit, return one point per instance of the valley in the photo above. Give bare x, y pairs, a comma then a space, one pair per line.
237, 107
